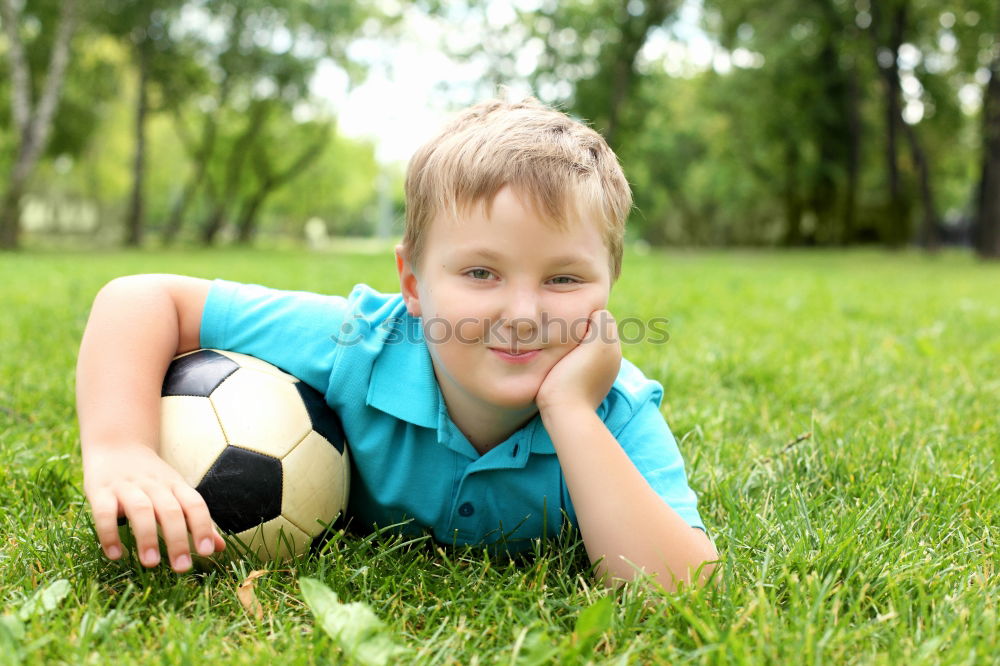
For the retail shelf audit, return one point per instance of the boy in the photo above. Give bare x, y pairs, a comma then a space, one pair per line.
485, 401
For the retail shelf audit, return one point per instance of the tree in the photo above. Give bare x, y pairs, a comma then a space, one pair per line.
987, 239
587, 55
32, 121
260, 71
269, 178
608, 97
795, 90
144, 26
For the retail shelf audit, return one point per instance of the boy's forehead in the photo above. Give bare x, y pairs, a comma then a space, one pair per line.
566, 243
575, 215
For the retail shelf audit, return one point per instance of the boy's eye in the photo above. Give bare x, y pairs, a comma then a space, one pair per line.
485, 274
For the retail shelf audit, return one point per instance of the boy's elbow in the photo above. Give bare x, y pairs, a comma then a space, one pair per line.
707, 560
129, 282
698, 565
125, 286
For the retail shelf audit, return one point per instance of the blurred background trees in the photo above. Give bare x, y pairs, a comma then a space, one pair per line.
738, 122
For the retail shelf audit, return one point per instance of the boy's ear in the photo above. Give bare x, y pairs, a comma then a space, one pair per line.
407, 280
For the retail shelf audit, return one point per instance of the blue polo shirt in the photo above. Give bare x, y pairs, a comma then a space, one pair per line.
412, 466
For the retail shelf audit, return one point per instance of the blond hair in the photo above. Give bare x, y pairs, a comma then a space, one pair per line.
561, 166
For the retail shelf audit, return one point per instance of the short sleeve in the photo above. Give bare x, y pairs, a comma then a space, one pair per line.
294, 330
650, 445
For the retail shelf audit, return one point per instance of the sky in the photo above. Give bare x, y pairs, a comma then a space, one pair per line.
397, 105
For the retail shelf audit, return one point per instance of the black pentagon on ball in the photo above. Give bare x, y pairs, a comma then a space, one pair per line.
324, 419
197, 374
242, 489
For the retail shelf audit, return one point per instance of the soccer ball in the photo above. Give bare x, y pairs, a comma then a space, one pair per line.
263, 448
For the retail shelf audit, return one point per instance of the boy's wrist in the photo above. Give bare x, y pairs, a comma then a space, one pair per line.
104, 445
567, 410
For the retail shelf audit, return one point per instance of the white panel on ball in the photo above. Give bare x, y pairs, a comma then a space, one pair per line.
275, 539
320, 485
185, 419
261, 413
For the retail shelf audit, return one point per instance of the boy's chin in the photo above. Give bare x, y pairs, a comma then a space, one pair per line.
516, 402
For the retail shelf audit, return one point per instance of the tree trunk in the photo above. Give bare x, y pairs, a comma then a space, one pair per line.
613, 87
793, 202
620, 85
928, 238
234, 169
179, 208
987, 225
10, 216
134, 221
202, 153
271, 181
247, 223
829, 136
895, 232
32, 122
855, 129
213, 224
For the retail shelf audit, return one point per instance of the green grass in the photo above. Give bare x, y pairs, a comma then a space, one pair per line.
871, 540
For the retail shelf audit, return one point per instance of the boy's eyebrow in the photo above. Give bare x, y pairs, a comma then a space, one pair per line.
494, 256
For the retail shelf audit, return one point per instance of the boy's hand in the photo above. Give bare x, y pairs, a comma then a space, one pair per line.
584, 376
136, 483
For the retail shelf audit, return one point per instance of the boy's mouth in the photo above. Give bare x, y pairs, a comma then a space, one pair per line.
519, 355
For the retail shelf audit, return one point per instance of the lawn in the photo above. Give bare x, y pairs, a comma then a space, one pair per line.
838, 413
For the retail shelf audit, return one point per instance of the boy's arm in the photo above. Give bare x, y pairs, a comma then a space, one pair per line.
624, 523
136, 326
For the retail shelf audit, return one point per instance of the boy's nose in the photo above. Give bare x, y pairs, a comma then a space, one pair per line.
522, 314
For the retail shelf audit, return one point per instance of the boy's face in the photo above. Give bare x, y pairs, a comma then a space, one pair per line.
507, 281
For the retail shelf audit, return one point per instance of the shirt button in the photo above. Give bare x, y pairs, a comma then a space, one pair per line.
466, 510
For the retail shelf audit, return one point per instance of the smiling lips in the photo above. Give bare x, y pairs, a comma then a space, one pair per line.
521, 356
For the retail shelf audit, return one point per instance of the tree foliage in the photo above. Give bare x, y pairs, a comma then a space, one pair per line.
821, 122
825, 122
189, 117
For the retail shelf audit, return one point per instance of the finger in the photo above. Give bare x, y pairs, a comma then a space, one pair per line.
104, 506
610, 327
199, 521
597, 327
141, 517
173, 526
220, 543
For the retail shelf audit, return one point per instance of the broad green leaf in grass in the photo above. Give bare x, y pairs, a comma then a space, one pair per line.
354, 627
534, 648
45, 600
593, 621
11, 630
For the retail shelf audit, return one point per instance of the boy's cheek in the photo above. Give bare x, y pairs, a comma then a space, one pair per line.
579, 330
464, 330
436, 330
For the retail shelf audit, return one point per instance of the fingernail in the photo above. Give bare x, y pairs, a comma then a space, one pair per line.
114, 552
152, 556
182, 563
205, 546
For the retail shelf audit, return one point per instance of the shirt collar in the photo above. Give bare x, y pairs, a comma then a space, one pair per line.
403, 382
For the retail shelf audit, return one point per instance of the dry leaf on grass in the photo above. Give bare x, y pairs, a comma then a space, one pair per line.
248, 596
